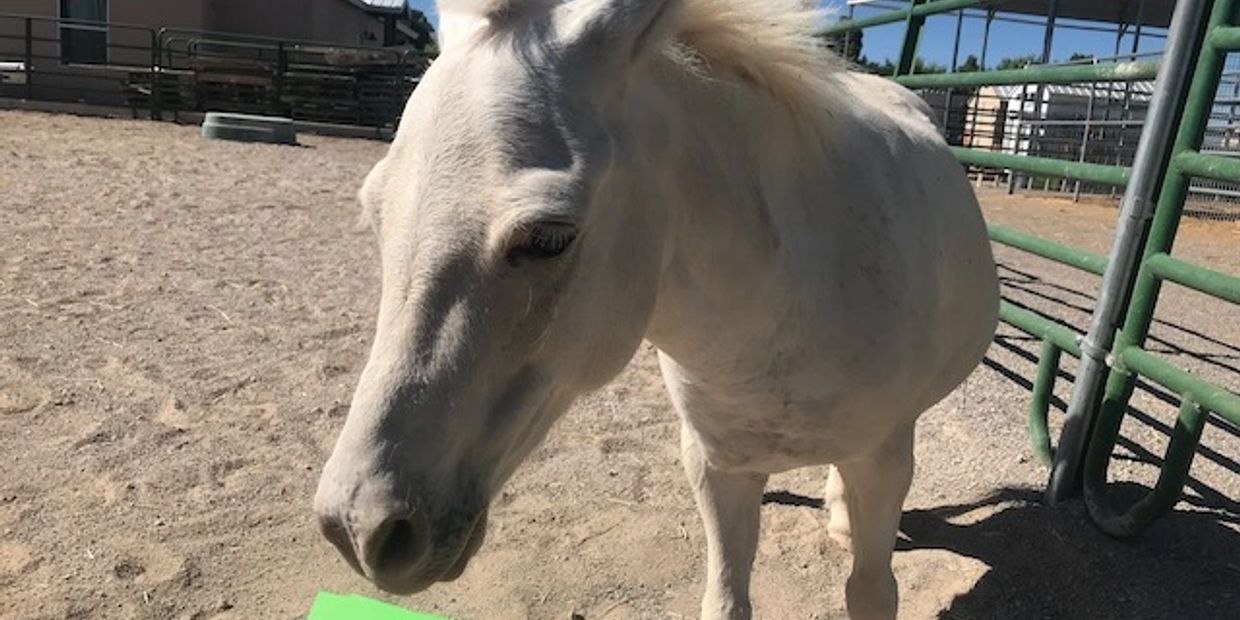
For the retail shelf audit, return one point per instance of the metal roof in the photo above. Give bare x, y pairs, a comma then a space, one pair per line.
1139, 91
1152, 12
1155, 13
379, 6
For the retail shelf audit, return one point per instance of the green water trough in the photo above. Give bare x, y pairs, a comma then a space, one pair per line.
249, 128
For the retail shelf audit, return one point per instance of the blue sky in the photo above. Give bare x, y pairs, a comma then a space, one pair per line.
936, 41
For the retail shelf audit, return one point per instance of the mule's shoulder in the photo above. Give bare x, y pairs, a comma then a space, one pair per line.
883, 91
900, 104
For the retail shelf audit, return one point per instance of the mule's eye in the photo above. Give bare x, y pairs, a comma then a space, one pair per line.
543, 241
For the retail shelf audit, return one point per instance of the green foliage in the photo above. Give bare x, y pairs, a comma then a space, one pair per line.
1018, 62
887, 67
970, 65
921, 66
869, 66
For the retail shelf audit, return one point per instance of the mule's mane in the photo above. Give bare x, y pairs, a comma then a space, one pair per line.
769, 43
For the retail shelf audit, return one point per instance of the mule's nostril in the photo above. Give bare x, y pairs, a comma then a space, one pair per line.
334, 529
398, 544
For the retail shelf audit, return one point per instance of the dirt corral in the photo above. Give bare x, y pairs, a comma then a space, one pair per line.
181, 322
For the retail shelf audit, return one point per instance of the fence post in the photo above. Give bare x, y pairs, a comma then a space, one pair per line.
912, 35
156, 84
1019, 127
1153, 154
281, 61
27, 65
1081, 156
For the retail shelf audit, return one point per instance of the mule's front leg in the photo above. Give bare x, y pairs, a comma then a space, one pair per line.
730, 503
874, 487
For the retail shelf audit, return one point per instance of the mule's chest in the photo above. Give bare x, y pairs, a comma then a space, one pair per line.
772, 432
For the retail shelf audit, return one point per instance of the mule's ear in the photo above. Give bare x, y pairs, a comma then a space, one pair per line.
616, 31
455, 28
459, 20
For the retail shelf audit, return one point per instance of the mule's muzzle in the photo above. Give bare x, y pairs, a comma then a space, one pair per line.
393, 552
403, 552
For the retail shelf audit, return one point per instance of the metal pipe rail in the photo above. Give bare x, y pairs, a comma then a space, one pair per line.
1206, 395
1050, 250
1098, 173
1036, 74
1200, 279
1168, 157
1214, 167
1030, 322
1081, 121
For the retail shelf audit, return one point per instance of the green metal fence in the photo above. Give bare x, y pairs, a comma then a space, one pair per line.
1111, 356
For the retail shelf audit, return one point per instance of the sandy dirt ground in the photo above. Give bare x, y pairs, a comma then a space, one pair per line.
181, 323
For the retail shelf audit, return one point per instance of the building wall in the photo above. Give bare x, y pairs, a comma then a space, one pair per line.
39, 8
984, 122
127, 45
12, 30
190, 14
329, 21
176, 14
338, 22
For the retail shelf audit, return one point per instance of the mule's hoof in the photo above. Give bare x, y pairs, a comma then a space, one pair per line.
842, 537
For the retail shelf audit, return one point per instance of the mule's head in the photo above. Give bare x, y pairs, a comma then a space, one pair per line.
519, 270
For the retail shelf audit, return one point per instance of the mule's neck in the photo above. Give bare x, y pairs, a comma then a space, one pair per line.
722, 153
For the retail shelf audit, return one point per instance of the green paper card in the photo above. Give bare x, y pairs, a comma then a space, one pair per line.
328, 606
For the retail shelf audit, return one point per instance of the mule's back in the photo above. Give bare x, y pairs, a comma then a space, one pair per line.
919, 196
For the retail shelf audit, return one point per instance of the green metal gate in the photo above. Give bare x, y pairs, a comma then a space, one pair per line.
1112, 356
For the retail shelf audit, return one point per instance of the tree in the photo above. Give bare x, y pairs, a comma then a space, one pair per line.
921, 66
423, 38
1080, 56
970, 65
869, 66
887, 67
846, 44
1018, 62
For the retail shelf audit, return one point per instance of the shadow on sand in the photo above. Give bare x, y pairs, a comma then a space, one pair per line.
1051, 563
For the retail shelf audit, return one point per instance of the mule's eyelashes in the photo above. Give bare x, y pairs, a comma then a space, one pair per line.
541, 241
